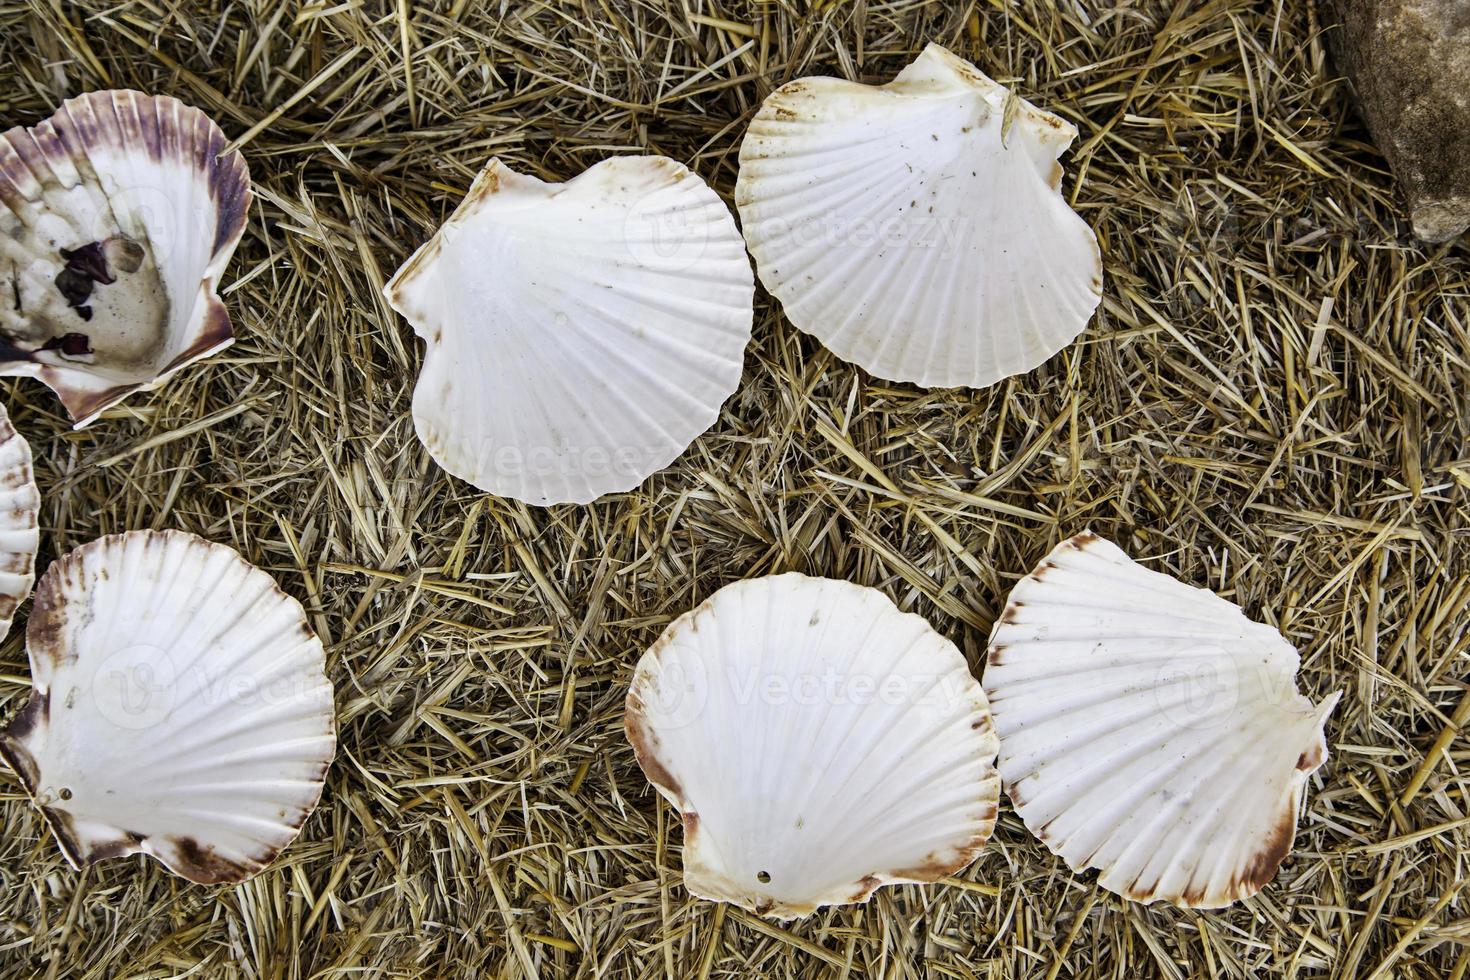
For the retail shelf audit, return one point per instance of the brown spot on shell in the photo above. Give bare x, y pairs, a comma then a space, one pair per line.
201, 864
30, 717
865, 887
1141, 895
48, 617
63, 828
128, 843
691, 826
1310, 760
70, 344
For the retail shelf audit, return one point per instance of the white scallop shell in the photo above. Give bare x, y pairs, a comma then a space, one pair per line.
580, 335
817, 742
1149, 729
117, 217
20, 505
917, 228
180, 707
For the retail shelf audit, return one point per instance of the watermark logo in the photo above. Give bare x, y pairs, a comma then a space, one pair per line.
160, 217
1192, 691
678, 696
135, 688
558, 462
1206, 686
906, 230
140, 687
661, 234
682, 692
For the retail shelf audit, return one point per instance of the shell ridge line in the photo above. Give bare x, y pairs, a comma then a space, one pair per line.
1054, 735
591, 389
855, 719
964, 799
593, 381
813, 733
906, 750
902, 332
1070, 794
617, 354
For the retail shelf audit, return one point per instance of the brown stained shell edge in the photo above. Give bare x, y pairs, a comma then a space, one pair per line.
1256, 872
32, 717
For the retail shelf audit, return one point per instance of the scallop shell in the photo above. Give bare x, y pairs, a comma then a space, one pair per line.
20, 504
117, 217
180, 707
580, 335
1149, 729
817, 742
917, 228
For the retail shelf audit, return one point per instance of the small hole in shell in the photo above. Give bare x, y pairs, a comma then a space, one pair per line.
764, 877
65, 793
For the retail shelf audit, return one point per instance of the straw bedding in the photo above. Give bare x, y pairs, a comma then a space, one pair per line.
1271, 401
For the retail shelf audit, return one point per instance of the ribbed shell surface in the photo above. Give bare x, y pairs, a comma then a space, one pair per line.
580, 335
818, 743
916, 228
180, 707
1149, 729
20, 504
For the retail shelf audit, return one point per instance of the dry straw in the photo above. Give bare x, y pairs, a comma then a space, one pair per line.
1271, 402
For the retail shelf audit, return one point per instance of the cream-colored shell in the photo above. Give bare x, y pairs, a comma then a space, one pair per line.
580, 335
118, 216
180, 707
917, 228
1149, 729
818, 743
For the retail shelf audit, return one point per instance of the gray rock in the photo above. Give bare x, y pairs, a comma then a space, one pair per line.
1409, 63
